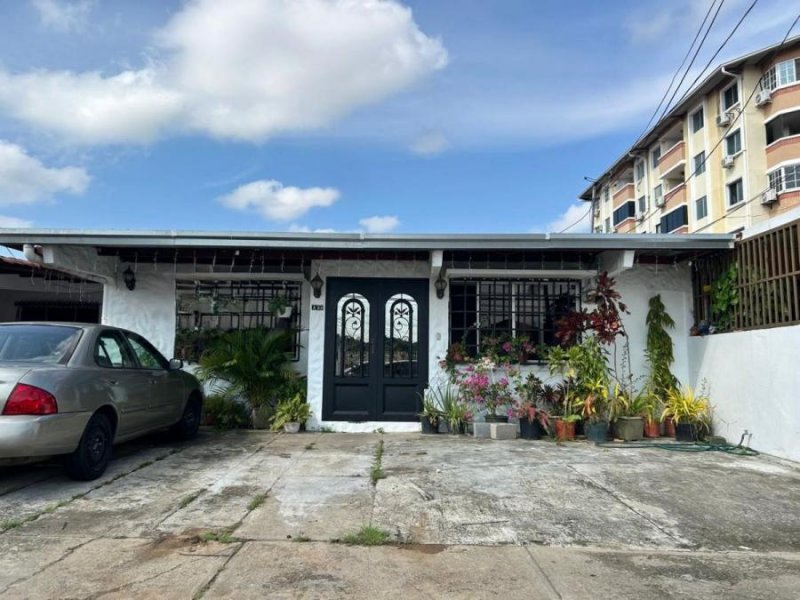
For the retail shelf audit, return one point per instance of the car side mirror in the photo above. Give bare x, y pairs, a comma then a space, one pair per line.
176, 364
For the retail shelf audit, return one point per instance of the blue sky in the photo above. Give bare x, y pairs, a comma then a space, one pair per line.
372, 115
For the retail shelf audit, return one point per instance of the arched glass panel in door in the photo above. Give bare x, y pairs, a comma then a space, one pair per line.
352, 336
401, 337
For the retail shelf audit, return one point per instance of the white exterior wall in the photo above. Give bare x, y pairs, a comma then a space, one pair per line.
148, 310
637, 286
753, 381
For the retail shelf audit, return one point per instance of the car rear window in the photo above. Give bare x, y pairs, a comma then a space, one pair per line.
37, 343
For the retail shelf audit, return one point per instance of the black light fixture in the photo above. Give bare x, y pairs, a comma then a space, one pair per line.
441, 285
316, 285
130, 279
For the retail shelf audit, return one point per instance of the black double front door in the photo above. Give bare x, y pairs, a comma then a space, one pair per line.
376, 349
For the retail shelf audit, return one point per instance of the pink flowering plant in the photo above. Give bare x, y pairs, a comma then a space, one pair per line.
483, 387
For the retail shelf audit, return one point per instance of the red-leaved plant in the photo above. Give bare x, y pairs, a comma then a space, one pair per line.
605, 320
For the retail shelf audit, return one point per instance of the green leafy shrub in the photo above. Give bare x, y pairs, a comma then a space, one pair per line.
225, 413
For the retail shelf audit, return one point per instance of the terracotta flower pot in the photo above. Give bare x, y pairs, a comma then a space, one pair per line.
652, 429
565, 430
669, 428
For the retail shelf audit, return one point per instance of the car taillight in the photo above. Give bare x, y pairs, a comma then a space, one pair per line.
29, 400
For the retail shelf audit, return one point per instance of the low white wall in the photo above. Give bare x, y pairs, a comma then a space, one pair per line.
753, 381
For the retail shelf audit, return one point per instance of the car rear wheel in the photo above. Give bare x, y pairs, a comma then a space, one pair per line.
187, 427
90, 459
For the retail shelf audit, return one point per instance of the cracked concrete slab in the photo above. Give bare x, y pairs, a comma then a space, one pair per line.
514, 518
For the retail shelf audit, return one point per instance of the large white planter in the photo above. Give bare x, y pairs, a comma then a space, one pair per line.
291, 427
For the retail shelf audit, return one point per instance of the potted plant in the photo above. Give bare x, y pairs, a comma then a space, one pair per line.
534, 422
280, 306
593, 402
479, 386
690, 412
628, 410
432, 402
291, 413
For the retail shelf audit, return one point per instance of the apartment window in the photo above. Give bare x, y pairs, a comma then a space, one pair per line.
701, 208
700, 163
783, 126
658, 195
639, 170
626, 211
733, 143
697, 120
606, 194
786, 178
608, 225
658, 227
655, 156
642, 204
735, 192
483, 310
783, 73
730, 97
675, 219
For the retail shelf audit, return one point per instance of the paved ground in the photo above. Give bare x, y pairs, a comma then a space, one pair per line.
468, 519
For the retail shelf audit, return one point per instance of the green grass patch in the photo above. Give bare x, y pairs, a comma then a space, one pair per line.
301, 539
367, 536
257, 501
376, 471
189, 499
223, 537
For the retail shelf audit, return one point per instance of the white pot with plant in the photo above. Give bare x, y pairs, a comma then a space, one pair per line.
280, 307
291, 413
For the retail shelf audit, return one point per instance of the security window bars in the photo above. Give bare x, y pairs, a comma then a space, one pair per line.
624, 211
207, 306
697, 120
786, 178
700, 163
483, 310
783, 73
733, 143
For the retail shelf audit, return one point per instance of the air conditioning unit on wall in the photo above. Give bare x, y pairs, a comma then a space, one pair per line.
763, 97
660, 202
727, 162
770, 196
640, 216
723, 119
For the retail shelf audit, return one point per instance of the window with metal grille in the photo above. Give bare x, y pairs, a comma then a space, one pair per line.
486, 309
208, 306
697, 120
624, 211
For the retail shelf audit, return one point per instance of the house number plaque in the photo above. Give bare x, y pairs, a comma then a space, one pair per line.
317, 307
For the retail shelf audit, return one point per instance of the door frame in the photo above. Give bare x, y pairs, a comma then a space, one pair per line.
377, 290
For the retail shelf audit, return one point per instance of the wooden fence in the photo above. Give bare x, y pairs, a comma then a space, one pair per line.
767, 280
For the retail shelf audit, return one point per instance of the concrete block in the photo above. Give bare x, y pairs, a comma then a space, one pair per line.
482, 430
504, 431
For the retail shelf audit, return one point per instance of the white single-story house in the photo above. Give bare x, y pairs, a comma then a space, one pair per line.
359, 300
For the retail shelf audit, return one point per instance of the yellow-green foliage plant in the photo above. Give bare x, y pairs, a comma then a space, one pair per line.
686, 406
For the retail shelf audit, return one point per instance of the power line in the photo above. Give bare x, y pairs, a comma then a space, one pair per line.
678, 70
696, 52
591, 206
722, 138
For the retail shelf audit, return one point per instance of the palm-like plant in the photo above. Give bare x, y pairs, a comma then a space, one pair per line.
686, 406
251, 363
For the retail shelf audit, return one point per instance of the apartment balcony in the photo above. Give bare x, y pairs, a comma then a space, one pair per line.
673, 162
624, 194
782, 150
626, 226
675, 197
783, 99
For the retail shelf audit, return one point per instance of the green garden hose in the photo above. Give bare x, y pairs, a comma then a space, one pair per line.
739, 450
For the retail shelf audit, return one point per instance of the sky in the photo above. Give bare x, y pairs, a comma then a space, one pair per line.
381, 116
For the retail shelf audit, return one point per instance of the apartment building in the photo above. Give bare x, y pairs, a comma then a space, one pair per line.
725, 158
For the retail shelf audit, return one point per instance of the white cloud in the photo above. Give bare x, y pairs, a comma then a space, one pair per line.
14, 222
278, 203
240, 69
575, 219
294, 228
379, 224
25, 180
429, 144
63, 15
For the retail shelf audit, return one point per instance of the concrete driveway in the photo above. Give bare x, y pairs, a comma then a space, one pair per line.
255, 515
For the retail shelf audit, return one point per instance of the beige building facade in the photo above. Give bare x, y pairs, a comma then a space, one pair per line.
725, 158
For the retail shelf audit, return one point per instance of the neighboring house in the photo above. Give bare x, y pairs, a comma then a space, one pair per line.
30, 291
361, 300
725, 158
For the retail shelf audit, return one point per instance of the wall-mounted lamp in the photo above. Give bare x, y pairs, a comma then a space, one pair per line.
441, 285
129, 277
316, 285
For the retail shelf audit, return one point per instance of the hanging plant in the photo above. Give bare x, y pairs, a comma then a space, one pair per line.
725, 298
659, 350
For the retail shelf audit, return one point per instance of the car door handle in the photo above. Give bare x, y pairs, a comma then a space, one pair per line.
112, 382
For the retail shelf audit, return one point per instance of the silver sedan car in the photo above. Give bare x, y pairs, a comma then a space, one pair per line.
75, 390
